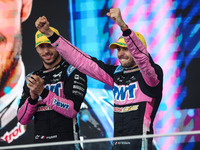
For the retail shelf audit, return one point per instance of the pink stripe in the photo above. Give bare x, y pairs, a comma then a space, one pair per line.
170, 144
142, 30
169, 104
137, 16
117, 62
117, 4
113, 28
151, 7
128, 8
171, 62
112, 51
168, 124
149, 108
165, 50
159, 117
162, 32
160, 15
170, 83
173, 97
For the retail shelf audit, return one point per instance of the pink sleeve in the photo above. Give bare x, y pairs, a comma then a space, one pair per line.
60, 105
26, 112
141, 57
81, 61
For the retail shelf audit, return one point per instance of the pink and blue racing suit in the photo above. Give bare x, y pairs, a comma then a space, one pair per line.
55, 110
137, 91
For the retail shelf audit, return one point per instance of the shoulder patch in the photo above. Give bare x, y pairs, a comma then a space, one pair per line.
57, 44
70, 69
118, 69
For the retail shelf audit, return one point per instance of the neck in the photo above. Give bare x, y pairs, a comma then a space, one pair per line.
131, 67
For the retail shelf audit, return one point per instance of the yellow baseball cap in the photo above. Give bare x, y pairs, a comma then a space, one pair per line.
121, 42
41, 38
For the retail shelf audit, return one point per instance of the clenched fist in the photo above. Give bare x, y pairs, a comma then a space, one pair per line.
115, 15
42, 24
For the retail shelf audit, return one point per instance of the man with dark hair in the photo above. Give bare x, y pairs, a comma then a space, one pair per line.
137, 82
53, 95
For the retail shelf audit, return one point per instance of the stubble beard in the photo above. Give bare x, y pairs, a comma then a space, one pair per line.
131, 63
54, 60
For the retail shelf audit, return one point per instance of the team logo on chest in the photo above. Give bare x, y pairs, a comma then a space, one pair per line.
123, 92
56, 88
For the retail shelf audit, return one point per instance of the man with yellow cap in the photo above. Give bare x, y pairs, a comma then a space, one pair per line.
137, 82
53, 95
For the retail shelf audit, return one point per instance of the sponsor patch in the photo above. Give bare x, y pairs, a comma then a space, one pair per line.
58, 74
44, 108
76, 77
76, 82
77, 93
42, 137
70, 69
78, 88
60, 104
118, 69
51, 137
57, 44
126, 109
123, 92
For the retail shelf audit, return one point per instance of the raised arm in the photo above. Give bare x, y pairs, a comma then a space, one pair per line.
83, 62
137, 49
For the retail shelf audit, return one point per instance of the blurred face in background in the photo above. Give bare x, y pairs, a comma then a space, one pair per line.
12, 14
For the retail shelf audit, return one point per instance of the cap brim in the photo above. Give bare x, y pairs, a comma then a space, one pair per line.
42, 43
115, 45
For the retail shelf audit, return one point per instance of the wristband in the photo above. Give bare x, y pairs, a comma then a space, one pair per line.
125, 28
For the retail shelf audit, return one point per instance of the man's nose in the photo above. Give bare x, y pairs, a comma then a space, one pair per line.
120, 52
46, 49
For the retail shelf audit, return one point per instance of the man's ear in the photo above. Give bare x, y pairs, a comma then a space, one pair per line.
26, 9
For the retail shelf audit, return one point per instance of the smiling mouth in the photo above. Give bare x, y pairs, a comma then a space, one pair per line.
47, 56
123, 59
